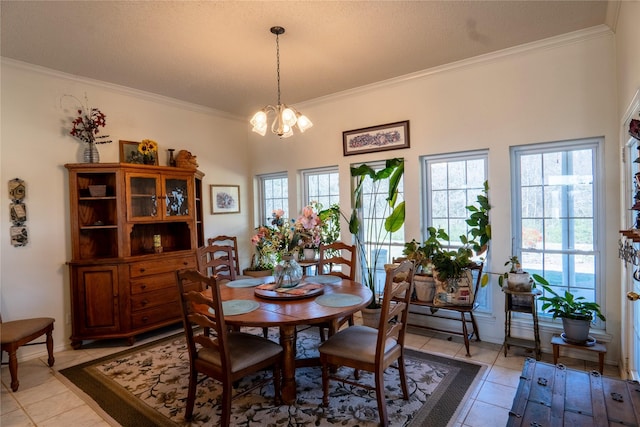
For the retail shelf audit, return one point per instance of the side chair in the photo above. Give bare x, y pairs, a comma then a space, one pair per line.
18, 333
231, 241
374, 350
337, 254
223, 355
216, 261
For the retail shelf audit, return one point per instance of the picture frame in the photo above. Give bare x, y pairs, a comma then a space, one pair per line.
390, 136
129, 153
225, 199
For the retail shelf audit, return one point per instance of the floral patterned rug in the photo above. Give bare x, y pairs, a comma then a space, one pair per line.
147, 386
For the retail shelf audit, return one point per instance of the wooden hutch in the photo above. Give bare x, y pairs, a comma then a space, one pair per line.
132, 227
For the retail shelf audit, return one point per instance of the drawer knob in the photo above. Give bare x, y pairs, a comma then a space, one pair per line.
145, 318
142, 270
144, 302
185, 263
143, 286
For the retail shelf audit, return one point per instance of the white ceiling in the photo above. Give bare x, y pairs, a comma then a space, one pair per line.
221, 54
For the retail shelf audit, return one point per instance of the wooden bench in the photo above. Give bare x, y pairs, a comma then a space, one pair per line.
454, 313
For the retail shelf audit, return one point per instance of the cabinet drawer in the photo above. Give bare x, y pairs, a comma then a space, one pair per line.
155, 315
146, 268
154, 299
154, 283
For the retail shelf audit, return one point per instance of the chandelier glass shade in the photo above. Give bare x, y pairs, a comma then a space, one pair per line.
285, 117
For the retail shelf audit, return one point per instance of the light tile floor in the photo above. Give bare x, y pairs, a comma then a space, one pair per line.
44, 400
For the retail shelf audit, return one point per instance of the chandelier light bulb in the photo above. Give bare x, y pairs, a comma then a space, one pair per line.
303, 123
289, 117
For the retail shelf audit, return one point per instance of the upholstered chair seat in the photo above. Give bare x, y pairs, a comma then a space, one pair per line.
17, 333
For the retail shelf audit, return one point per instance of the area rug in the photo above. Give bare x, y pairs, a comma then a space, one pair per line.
147, 386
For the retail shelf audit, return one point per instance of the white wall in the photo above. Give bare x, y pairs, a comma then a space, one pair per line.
34, 146
557, 91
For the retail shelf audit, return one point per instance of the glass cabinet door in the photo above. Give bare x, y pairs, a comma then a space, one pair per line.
176, 197
143, 191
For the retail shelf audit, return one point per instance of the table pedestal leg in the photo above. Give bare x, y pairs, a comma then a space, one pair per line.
287, 341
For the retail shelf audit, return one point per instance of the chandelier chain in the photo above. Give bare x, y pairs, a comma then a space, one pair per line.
278, 63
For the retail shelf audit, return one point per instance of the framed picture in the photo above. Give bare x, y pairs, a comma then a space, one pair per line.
225, 199
129, 154
391, 136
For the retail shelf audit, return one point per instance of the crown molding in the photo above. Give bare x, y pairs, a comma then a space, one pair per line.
160, 99
549, 43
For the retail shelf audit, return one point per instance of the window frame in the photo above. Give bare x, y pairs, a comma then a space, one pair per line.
598, 210
387, 245
262, 179
306, 173
483, 300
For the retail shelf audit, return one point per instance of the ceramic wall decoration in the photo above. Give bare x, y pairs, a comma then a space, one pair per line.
18, 213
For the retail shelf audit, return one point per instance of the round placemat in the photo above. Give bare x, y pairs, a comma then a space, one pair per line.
323, 279
338, 300
237, 306
245, 283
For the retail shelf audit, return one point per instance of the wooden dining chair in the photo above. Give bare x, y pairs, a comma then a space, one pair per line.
232, 241
332, 255
374, 350
337, 254
227, 357
216, 261
18, 333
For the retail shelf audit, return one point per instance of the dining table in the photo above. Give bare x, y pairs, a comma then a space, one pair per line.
328, 299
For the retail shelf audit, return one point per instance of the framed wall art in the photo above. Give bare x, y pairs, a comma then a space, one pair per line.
225, 199
129, 154
391, 136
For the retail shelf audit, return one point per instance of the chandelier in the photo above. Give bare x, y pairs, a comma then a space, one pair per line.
286, 117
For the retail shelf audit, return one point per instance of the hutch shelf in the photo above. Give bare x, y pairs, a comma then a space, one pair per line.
127, 242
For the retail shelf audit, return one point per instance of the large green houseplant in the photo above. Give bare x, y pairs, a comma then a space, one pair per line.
376, 232
576, 313
452, 264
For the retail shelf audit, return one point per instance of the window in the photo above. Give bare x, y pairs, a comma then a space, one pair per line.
274, 194
379, 247
556, 224
452, 182
321, 185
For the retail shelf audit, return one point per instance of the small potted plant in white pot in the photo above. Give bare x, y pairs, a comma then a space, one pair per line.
518, 280
576, 313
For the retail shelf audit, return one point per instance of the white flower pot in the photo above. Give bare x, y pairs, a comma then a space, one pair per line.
425, 287
309, 253
519, 282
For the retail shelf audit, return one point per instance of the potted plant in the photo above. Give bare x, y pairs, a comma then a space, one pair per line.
421, 255
576, 313
518, 280
376, 232
450, 267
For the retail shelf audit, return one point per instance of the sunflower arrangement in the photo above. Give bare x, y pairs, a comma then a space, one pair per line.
146, 154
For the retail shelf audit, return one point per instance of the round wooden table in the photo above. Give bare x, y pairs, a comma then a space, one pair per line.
287, 314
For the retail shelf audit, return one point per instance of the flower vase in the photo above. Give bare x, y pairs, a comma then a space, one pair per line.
309, 254
288, 272
91, 154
